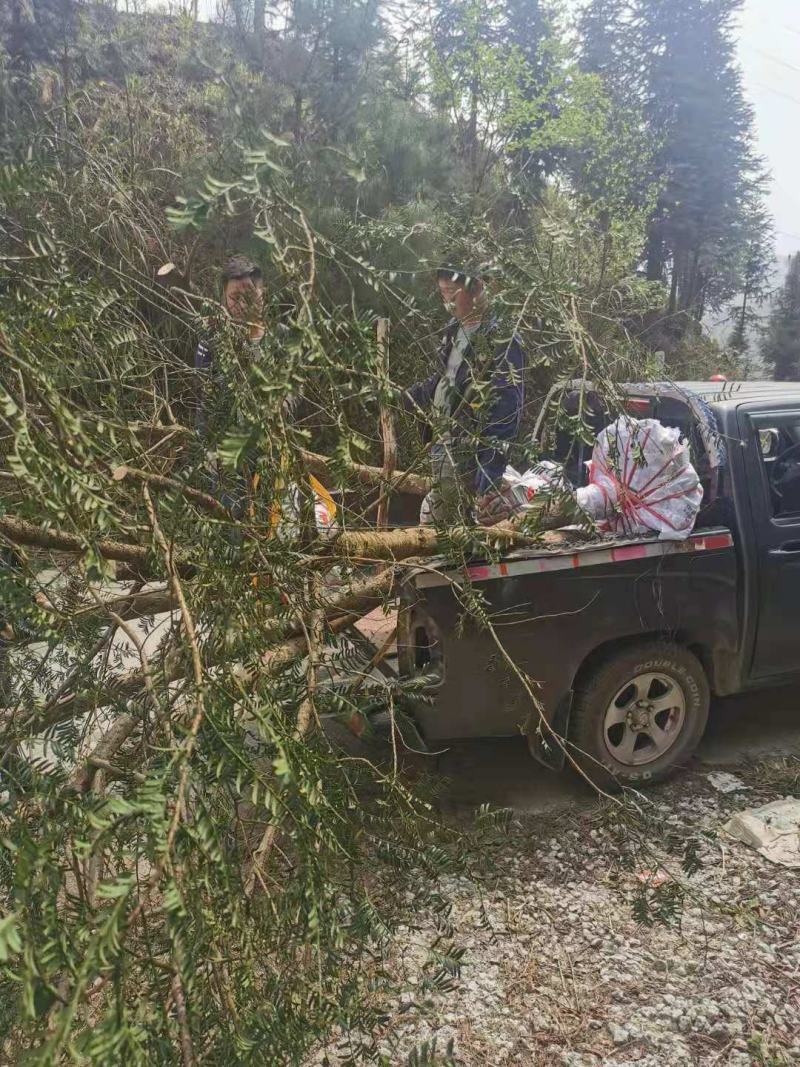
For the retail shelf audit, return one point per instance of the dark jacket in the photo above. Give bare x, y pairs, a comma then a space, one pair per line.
207, 381
496, 362
214, 401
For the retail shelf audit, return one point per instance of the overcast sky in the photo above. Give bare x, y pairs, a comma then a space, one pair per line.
769, 49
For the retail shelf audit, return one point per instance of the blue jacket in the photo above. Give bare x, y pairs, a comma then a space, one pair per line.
497, 419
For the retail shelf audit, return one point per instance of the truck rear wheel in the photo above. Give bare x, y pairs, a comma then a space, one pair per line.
639, 714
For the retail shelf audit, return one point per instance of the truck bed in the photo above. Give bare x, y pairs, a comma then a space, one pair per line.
553, 611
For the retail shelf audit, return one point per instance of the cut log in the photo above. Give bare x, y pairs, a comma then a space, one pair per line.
426, 540
25, 533
130, 606
22, 532
351, 544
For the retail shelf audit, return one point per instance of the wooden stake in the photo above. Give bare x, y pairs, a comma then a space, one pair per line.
387, 428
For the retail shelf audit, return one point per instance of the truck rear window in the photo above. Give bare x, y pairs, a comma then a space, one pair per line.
574, 452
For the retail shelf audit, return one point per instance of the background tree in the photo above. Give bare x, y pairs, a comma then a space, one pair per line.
676, 67
695, 106
756, 273
781, 349
532, 26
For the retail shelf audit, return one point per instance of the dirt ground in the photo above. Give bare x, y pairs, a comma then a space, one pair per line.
557, 969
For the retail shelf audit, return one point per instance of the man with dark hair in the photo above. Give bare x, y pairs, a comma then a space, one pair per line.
472, 405
243, 299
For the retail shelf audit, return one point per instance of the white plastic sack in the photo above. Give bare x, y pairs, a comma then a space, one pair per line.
774, 830
544, 477
640, 480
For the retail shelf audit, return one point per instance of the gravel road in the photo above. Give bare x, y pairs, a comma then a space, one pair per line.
558, 971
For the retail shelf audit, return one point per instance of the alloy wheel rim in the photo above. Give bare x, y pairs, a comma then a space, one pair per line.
644, 719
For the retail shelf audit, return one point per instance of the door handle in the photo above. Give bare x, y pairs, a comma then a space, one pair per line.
788, 548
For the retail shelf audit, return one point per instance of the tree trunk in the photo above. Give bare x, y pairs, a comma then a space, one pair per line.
472, 136
693, 289
387, 429
259, 29
238, 17
22, 13
654, 254
743, 313
673, 290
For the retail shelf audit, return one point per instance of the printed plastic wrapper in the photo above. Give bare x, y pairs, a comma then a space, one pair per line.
544, 477
325, 514
287, 512
519, 489
641, 479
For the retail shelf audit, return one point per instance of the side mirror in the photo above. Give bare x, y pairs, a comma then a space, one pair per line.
768, 443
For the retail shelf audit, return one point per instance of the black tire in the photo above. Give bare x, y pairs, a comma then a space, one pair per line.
591, 738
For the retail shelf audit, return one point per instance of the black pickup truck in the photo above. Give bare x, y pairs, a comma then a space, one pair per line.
624, 641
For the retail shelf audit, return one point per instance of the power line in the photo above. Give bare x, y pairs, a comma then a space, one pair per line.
778, 92
775, 59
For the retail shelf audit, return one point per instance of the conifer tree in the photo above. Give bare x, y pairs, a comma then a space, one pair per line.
675, 66
781, 349
695, 106
755, 269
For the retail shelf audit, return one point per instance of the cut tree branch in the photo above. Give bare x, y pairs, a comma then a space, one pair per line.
323, 467
424, 540
350, 605
305, 718
130, 606
25, 533
388, 435
161, 481
22, 532
108, 746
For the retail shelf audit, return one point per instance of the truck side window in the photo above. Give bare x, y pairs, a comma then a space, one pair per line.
779, 448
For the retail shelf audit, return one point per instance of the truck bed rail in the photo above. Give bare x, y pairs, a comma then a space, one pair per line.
589, 555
